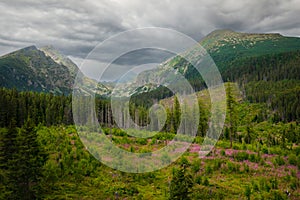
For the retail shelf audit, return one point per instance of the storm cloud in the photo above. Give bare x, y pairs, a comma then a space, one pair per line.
76, 27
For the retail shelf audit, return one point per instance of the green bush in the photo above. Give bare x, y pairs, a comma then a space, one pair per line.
222, 153
265, 150
278, 160
274, 183
196, 165
246, 167
255, 186
297, 150
240, 156
254, 158
205, 181
198, 180
294, 184
142, 141
293, 159
217, 164
153, 141
248, 192
277, 195
232, 167
208, 169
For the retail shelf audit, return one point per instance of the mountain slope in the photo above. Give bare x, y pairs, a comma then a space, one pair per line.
44, 70
60, 59
227, 46
30, 69
270, 59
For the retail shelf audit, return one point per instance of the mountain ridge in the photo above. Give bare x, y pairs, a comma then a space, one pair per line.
30, 69
44, 70
225, 46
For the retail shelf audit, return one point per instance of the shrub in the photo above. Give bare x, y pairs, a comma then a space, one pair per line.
208, 169
240, 156
205, 181
230, 166
297, 150
279, 161
131, 149
244, 147
264, 185
196, 165
248, 192
265, 150
294, 184
255, 186
153, 141
198, 180
293, 159
217, 164
277, 195
274, 183
142, 141
222, 152
246, 167
233, 167
252, 158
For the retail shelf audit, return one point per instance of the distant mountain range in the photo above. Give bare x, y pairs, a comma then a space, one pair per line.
47, 70
233, 54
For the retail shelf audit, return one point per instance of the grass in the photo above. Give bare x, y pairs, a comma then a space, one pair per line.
224, 174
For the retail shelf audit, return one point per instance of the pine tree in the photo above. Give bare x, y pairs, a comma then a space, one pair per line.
181, 183
203, 120
25, 167
177, 114
231, 113
7, 154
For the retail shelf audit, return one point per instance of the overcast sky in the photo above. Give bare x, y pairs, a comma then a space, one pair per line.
75, 27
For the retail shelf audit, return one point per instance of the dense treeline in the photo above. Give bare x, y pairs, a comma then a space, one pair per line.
282, 97
273, 67
271, 79
49, 109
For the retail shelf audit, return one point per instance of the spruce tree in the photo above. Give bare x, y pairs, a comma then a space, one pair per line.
181, 183
25, 167
231, 112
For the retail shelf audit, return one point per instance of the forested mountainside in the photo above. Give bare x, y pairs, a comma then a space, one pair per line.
262, 64
29, 69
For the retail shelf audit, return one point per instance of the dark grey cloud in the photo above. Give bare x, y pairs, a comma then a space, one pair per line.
76, 27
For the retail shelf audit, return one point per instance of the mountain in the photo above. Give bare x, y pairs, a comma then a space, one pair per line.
265, 66
43, 70
264, 61
30, 69
227, 47
60, 59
